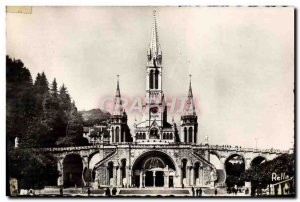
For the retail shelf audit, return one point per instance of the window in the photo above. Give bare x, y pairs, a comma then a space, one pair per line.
154, 134
151, 79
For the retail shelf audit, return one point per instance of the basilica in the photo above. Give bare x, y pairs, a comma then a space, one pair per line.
154, 153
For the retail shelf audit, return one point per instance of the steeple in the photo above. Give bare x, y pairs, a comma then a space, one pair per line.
154, 52
118, 107
189, 108
118, 94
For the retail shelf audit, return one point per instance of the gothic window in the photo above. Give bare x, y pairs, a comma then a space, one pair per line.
171, 136
190, 134
144, 136
164, 136
156, 78
117, 134
151, 79
185, 134
113, 134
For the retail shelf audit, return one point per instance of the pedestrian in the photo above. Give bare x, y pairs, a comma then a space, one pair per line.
114, 191
216, 191
107, 192
89, 191
193, 191
197, 192
61, 191
200, 192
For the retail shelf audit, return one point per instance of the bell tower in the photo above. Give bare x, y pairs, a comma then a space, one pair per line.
189, 123
154, 93
119, 130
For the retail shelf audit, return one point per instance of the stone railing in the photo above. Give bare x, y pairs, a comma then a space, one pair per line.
164, 146
236, 148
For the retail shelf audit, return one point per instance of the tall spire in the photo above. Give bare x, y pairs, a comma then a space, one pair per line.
118, 107
154, 49
118, 94
189, 108
154, 36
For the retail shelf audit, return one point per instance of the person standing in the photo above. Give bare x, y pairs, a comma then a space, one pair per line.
107, 192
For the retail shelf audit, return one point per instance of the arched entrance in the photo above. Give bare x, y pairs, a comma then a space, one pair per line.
72, 170
153, 169
234, 166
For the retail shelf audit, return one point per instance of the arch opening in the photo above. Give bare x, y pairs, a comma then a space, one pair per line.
151, 169
72, 172
234, 166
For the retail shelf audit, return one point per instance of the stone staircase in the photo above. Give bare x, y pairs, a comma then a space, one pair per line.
154, 192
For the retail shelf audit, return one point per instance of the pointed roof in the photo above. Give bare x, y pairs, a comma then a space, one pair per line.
154, 43
118, 94
189, 107
118, 105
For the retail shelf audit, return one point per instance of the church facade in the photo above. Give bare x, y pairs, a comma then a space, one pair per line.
154, 153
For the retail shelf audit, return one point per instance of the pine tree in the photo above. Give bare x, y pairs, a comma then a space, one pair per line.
74, 129
64, 99
53, 90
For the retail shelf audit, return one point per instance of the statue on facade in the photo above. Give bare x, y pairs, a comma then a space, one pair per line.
16, 142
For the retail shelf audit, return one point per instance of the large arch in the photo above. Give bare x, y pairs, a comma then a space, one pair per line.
234, 167
258, 160
72, 170
153, 168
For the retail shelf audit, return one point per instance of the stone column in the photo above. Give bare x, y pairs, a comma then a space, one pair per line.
201, 176
130, 177
84, 167
187, 177
144, 177
127, 175
166, 179
120, 177
141, 179
192, 176
180, 176
115, 175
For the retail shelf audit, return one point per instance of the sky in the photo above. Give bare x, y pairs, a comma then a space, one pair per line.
241, 61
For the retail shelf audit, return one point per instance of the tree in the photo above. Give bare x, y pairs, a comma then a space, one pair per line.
261, 175
53, 90
20, 99
33, 169
74, 130
64, 99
